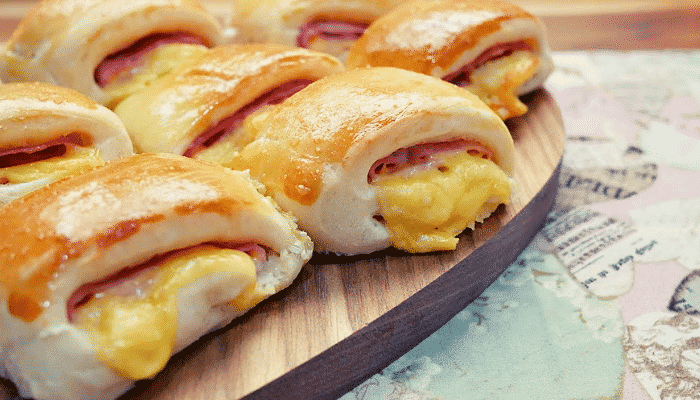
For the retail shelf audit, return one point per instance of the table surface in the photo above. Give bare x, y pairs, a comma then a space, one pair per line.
602, 304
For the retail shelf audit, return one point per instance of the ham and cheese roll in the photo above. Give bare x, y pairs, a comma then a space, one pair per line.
92, 45
202, 108
105, 275
48, 133
376, 157
491, 47
329, 26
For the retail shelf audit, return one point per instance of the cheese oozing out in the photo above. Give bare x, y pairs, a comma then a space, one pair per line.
64, 157
152, 66
497, 74
119, 65
133, 323
497, 81
425, 206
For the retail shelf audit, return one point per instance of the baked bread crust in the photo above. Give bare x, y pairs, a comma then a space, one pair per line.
44, 47
438, 37
187, 101
35, 113
314, 151
280, 21
89, 227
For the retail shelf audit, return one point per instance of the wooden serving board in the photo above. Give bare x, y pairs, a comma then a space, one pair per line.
346, 318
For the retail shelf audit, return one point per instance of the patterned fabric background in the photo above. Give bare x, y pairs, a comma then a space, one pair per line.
605, 301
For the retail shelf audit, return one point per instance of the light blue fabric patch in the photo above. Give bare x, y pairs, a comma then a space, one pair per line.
535, 332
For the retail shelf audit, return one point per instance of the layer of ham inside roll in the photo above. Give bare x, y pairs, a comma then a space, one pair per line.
16, 156
329, 30
137, 317
117, 66
421, 156
91, 290
462, 77
230, 124
46, 162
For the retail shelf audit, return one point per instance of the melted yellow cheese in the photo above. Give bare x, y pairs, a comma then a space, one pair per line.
134, 333
156, 64
225, 150
76, 160
426, 210
496, 82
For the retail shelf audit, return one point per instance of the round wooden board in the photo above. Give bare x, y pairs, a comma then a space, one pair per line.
346, 318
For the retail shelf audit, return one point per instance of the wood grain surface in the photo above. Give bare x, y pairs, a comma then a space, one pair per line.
345, 318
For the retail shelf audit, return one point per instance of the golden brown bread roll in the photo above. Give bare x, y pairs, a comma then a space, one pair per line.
48, 133
329, 26
375, 157
107, 274
200, 108
89, 44
491, 47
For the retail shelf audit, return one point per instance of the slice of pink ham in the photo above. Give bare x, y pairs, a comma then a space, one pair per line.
229, 124
30, 154
113, 65
421, 154
330, 31
462, 77
87, 291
